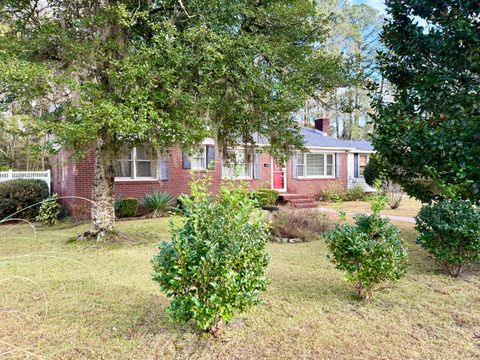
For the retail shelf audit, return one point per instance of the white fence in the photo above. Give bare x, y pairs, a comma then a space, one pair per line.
41, 175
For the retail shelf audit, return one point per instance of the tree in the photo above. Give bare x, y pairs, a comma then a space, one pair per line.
108, 74
427, 131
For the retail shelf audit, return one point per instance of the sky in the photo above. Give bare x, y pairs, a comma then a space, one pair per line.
377, 4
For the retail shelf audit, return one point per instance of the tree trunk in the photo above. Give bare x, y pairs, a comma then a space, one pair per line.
103, 211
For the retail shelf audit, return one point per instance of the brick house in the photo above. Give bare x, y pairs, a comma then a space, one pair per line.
299, 181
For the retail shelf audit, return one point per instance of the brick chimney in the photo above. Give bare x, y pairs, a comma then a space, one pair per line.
323, 125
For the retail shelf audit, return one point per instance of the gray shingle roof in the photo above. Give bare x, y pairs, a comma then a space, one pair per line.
316, 138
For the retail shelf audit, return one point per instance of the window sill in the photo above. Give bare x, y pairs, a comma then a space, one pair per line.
136, 179
315, 178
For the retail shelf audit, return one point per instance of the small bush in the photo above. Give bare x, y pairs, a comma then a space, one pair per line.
16, 195
394, 193
450, 231
334, 192
127, 207
265, 197
300, 224
356, 193
158, 202
371, 172
216, 263
369, 252
49, 211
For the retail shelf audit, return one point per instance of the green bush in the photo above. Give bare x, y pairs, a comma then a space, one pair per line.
265, 197
216, 263
450, 231
356, 193
334, 192
369, 252
16, 195
127, 207
371, 172
300, 224
49, 211
158, 202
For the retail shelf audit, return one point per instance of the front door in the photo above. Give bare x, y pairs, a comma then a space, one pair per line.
279, 176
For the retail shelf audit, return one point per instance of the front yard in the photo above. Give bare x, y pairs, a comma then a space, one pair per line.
71, 300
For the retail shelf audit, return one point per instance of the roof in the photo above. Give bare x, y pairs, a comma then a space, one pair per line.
317, 138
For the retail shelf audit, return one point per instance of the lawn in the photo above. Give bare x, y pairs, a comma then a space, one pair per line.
71, 300
409, 207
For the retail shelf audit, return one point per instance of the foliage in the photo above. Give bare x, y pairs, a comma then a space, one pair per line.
16, 195
301, 224
265, 197
337, 193
372, 171
450, 231
355, 193
121, 73
216, 263
126, 207
369, 252
49, 211
394, 193
158, 202
426, 128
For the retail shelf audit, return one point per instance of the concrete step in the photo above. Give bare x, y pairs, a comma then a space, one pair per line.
287, 197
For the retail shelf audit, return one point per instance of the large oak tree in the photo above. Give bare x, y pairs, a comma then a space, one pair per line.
106, 74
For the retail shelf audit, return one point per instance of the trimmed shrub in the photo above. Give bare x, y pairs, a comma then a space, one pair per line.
371, 172
158, 202
127, 207
216, 263
369, 252
300, 224
450, 231
265, 197
49, 211
356, 193
16, 195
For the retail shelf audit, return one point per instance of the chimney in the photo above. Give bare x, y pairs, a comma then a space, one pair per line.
323, 125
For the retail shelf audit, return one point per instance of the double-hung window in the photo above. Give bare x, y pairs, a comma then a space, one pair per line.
137, 163
239, 165
316, 165
203, 158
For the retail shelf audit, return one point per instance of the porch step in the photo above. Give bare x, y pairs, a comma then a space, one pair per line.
299, 201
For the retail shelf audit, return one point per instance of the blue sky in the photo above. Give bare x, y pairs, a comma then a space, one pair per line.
377, 4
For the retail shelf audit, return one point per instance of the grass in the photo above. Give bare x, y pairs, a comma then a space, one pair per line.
69, 300
409, 207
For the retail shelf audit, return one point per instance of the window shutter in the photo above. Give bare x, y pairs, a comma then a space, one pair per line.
338, 165
355, 165
164, 168
256, 166
210, 149
294, 166
186, 161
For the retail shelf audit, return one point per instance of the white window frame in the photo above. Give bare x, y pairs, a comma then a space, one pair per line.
362, 176
134, 176
248, 167
325, 176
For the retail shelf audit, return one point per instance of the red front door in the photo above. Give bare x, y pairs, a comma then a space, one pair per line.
278, 176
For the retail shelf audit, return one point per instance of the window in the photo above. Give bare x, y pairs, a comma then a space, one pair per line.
362, 162
202, 159
240, 167
138, 163
316, 165
198, 161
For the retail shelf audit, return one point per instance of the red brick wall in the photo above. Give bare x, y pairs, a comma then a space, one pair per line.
79, 180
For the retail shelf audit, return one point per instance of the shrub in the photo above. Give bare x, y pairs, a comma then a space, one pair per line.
450, 231
371, 172
356, 193
394, 193
301, 224
16, 195
127, 207
158, 202
49, 211
334, 192
265, 197
369, 252
216, 263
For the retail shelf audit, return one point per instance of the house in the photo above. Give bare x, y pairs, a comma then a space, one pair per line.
300, 180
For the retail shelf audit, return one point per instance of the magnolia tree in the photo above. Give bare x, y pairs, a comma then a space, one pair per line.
427, 131
107, 74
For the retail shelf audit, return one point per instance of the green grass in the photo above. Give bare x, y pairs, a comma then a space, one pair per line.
71, 300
